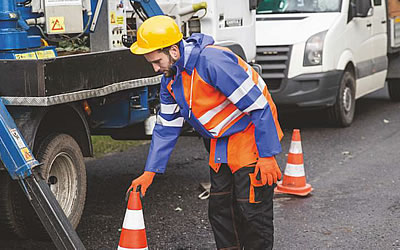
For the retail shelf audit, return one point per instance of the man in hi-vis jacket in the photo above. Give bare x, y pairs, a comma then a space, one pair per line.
226, 101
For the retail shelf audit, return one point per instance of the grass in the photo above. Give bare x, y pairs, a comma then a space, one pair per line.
103, 145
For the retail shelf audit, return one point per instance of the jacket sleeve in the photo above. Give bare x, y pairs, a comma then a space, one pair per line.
166, 131
233, 81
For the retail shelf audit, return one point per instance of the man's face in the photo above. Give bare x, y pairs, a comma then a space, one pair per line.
163, 61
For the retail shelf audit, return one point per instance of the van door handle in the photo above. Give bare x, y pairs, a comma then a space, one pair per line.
383, 22
369, 24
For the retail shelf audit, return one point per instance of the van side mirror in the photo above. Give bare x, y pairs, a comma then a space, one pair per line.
362, 8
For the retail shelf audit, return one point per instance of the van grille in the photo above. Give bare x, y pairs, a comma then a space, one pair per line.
274, 62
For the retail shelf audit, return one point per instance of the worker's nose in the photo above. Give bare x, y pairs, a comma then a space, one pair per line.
156, 67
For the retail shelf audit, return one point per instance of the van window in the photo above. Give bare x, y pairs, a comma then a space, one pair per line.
298, 6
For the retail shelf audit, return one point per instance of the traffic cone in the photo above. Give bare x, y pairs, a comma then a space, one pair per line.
133, 234
294, 179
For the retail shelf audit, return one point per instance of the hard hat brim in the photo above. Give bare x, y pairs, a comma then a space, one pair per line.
135, 49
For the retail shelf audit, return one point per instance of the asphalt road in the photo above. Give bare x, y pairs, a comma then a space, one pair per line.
354, 172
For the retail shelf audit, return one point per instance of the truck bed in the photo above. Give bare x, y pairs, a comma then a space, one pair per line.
72, 78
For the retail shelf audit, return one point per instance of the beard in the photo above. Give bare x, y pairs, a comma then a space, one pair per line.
171, 69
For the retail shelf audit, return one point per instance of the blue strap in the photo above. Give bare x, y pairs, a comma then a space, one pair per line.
221, 150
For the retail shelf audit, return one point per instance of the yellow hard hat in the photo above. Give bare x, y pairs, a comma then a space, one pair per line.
155, 33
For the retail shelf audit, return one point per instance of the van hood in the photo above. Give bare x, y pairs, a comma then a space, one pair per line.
288, 29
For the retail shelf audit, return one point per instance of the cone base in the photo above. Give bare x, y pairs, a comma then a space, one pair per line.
302, 191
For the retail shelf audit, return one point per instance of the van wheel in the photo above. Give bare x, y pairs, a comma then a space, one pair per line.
394, 89
64, 170
342, 112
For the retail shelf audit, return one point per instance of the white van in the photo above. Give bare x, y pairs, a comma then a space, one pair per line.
328, 53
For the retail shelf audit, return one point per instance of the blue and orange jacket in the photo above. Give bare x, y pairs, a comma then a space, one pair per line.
224, 99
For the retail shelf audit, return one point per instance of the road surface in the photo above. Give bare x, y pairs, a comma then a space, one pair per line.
354, 171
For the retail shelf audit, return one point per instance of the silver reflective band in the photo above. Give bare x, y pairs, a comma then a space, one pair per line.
242, 90
178, 122
169, 109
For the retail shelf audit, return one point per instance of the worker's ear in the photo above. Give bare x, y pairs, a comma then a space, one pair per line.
174, 52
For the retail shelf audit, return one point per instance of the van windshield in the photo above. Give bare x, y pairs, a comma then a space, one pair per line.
298, 6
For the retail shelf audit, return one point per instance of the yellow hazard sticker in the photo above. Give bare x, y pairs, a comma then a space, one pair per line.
397, 20
112, 17
26, 56
120, 19
57, 24
27, 154
45, 54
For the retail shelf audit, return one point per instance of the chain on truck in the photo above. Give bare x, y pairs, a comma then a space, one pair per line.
59, 100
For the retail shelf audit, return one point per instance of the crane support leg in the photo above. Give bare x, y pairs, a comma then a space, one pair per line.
19, 162
51, 214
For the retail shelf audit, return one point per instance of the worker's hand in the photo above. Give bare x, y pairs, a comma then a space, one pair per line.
269, 170
144, 181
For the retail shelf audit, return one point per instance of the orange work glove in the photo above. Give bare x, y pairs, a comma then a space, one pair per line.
144, 181
269, 170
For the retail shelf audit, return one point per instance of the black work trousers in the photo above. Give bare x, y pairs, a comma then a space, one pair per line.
236, 222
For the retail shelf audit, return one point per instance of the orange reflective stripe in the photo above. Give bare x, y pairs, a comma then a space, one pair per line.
254, 75
242, 63
219, 117
274, 112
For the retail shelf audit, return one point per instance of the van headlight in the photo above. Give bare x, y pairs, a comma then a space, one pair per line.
313, 50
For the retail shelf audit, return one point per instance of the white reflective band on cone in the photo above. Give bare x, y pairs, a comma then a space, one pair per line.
295, 147
294, 170
133, 220
123, 248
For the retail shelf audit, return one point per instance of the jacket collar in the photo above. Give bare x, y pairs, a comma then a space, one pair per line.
190, 51
185, 50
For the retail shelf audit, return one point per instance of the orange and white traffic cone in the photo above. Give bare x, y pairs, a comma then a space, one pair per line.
133, 234
294, 179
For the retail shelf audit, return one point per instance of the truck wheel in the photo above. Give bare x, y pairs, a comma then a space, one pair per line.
394, 89
11, 222
342, 112
64, 169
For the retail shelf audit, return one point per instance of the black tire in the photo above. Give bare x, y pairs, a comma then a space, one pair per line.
64, 169
394, 89
342, 112
11, 206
